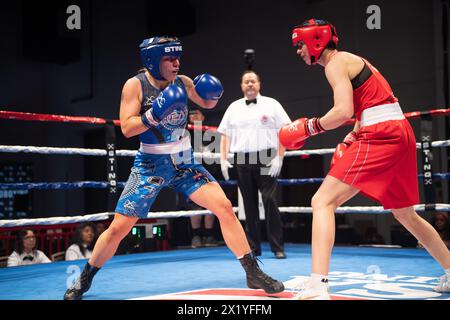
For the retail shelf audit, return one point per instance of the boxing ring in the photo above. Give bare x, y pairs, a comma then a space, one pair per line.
214, 273
357, 273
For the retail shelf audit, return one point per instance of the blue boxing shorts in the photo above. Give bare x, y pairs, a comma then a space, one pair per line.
151, 172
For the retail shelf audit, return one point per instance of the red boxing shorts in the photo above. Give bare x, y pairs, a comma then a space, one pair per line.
382, 163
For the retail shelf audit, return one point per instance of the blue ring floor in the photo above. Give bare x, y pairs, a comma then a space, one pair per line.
214, 273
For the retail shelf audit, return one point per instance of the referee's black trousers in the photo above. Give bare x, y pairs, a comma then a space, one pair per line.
250, 180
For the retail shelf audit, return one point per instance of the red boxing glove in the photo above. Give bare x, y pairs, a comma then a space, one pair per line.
350, 138
293, 135
342, 147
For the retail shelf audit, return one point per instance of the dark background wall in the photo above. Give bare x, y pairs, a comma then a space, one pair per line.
82, 73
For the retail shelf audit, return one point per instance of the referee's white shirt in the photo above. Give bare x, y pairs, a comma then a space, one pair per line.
36, 256
74, 253
253, 127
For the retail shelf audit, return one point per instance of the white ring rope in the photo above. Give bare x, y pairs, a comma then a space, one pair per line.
177, 214
65, 151
363, 209
98, 217
54, 220
190, 213
309, 152
132, 153
441, 143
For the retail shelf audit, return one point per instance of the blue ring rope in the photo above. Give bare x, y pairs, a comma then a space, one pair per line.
104, 185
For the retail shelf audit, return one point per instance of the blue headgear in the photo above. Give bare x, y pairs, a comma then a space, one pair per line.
153, 49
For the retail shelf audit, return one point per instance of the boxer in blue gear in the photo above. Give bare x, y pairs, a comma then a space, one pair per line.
154, 107
150, 173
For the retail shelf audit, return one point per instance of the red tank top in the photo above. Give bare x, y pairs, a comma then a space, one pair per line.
373, 91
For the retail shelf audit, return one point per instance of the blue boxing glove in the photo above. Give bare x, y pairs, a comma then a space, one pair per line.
170, 99
208, 87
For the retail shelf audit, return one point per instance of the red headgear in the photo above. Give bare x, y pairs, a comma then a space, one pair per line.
315, 34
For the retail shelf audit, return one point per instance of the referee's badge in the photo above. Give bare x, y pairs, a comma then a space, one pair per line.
264, 119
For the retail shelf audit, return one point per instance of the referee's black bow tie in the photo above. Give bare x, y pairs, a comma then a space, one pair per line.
247, 102
31, 258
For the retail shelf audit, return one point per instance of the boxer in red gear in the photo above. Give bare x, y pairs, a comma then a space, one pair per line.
380, 163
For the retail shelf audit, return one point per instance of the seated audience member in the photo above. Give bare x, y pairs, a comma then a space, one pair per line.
373, 237
26, 252
84, 241
202, 226
441, 222
100, 228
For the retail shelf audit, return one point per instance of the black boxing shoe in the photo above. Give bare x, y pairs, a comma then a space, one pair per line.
256, 278
83, 283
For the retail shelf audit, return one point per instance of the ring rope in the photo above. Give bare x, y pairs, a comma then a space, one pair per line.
57, 185
28, 116
169, 214
65, 151
104, 184
54, 220
98, 217
189, 213
363, 209
132, 153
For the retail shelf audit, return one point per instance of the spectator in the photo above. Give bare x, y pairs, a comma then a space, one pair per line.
100, 227
373, 237
201, 235
84, 241
441, 222
26, 252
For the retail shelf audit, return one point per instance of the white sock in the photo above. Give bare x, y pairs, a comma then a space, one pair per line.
244, 255
317, 279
